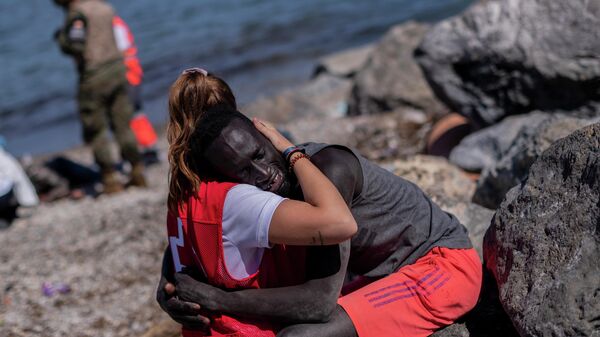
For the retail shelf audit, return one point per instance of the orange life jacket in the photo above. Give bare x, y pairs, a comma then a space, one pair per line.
143, 130
129, 49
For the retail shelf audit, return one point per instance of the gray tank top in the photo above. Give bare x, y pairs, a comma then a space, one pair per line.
397, 222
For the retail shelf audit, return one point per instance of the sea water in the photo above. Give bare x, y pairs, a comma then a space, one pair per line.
258, 47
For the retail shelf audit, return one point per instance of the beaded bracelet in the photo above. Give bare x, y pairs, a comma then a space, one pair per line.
296, 150
287, 153
296, 158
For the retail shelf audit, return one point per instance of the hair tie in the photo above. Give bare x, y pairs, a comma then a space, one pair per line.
195, 70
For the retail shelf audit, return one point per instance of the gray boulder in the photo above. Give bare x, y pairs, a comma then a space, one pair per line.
439, 179
514, 165
454, 330
485, 147
391, 78
345, 63
504, 57
323, 97
544, 242
397, 134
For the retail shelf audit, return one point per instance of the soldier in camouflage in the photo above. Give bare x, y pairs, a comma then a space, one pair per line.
87, 36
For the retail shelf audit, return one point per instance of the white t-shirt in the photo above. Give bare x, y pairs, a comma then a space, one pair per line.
247, 214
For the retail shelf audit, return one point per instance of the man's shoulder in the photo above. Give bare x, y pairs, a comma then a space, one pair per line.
342, 167
334, 156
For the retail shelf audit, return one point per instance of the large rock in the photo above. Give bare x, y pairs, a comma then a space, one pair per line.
544, 242
514, 165
454, 330
391, 78
485, 147
397, 134
515, 56
323, 97
345, 63
438, 178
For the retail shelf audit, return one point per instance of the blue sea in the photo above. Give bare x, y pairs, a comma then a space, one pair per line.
258, 46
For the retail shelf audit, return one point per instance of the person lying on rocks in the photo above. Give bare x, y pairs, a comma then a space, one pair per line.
417, 269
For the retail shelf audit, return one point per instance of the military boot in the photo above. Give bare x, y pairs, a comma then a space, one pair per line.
111, 182
137, 176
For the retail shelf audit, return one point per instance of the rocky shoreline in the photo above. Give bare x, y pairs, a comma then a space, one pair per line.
526, 177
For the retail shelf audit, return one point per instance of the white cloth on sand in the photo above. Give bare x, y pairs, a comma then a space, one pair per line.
11, 170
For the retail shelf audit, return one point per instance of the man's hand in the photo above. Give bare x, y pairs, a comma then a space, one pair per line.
204, 295
185, 313
190, 315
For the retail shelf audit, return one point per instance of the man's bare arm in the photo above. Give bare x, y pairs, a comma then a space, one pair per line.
187, 314
313, 301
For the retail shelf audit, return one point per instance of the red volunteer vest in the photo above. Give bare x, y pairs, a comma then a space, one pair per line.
195, 239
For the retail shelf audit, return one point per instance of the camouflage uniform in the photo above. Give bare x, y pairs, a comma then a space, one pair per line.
88, 37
